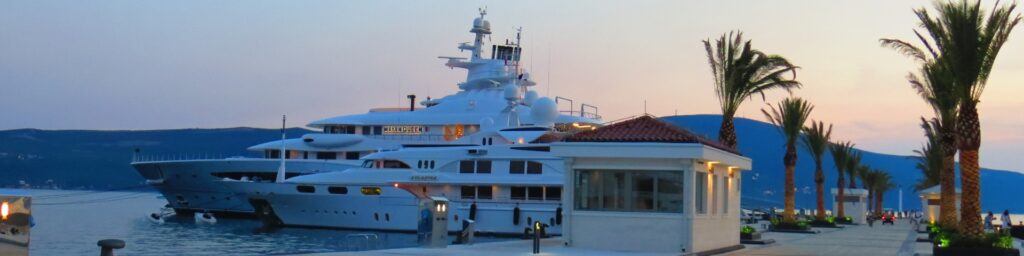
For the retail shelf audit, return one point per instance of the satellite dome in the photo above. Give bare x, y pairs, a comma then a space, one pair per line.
511, 93
531, 96
486, 124
544, 111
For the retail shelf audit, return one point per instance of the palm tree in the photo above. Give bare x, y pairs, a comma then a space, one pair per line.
935, 85
815, 140
969, 43
852, 164
789, 117
740, 72
929, 157
840, 151
882, 183
866, 175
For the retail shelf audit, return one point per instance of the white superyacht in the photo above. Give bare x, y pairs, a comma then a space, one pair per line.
222, 185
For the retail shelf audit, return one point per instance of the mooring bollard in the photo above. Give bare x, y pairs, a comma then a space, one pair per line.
107, 246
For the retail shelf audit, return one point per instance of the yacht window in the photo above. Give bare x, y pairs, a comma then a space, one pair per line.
326, 155
419, 164
368, 164
431, 164
484, 192
352, 155
465, 166
553, 194
350, 130
395, 164
517, 167
337, 190
370, 191
483, 166
535, 193
468, 192
305, 189
534, 167
305, 154
273, 153
366, 130
518, 193
378, 130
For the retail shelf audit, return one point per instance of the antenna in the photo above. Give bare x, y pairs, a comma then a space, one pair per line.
280, 169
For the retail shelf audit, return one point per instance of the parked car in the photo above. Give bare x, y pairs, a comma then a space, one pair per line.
888, 218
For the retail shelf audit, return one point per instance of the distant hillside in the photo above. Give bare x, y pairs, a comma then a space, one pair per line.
762, 142
100, 159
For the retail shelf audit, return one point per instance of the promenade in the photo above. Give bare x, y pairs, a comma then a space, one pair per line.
851, 240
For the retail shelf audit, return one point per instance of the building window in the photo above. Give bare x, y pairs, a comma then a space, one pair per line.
714, 193
701, 192
352, 155
534, 167
326, 155
725, 195
337, 190
370, 191
625, 190
518, 193
305, 189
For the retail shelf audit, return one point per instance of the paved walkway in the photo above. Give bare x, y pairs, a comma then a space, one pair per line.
879, 240
852, 240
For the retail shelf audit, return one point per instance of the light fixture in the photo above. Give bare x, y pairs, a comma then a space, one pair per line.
711, 166
5, 210
731, 171
396, 185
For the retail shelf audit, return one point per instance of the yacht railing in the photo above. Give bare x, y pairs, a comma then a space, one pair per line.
140, 158
586, 110
421, 137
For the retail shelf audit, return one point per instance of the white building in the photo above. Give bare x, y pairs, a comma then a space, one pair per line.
855, 204
931, 199
646, 185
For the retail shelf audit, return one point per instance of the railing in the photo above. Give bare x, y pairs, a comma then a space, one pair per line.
139, 158
583, 109
420, 137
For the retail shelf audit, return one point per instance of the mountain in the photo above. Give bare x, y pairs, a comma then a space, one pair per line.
765, 146
100, 159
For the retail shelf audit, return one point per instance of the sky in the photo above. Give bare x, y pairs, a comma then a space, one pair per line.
131, 65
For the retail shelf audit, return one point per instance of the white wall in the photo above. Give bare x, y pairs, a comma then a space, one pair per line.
718, 229
623, 231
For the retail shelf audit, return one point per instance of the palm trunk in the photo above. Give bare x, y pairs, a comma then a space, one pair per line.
878, 203
819, 182
853, 180
970, 180
947, 179
840, 197
727, 132
790, 203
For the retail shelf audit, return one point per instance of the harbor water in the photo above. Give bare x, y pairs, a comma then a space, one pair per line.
71, 222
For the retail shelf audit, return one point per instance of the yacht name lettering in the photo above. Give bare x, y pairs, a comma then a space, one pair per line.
404, 129
423, 178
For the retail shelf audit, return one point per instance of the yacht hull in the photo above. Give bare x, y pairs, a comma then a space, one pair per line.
197, 185
394, 209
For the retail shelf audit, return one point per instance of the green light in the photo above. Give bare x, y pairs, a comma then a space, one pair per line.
944, 242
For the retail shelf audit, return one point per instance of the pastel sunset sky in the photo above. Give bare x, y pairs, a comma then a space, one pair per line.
183, 64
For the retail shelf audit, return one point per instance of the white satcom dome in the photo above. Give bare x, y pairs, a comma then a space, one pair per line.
486, 124
511, 93
544, 111
530, 97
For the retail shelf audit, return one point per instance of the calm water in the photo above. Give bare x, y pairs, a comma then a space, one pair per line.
70, 223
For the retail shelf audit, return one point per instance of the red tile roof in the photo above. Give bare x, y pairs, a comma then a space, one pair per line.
645, 129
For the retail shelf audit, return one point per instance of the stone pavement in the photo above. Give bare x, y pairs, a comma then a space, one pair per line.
851, 240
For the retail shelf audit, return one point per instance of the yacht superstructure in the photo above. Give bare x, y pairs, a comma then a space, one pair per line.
496, 94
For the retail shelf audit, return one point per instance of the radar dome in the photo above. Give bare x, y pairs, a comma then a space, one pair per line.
531, 96
511, 93
544, 111
486, 124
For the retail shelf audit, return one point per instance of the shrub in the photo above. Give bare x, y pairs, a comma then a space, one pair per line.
747, 230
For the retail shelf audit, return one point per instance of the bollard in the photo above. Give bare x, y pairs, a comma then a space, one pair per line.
107, 246
537, 230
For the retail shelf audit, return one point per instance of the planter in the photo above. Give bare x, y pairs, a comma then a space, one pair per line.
977, 251
750, 236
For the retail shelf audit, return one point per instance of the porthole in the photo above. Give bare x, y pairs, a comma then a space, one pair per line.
387, 217
376, 217
456, 217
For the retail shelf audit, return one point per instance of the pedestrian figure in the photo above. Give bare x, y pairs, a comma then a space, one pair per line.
1006, 220
988, 221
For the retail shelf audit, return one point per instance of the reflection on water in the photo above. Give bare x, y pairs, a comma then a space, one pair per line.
70, 223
